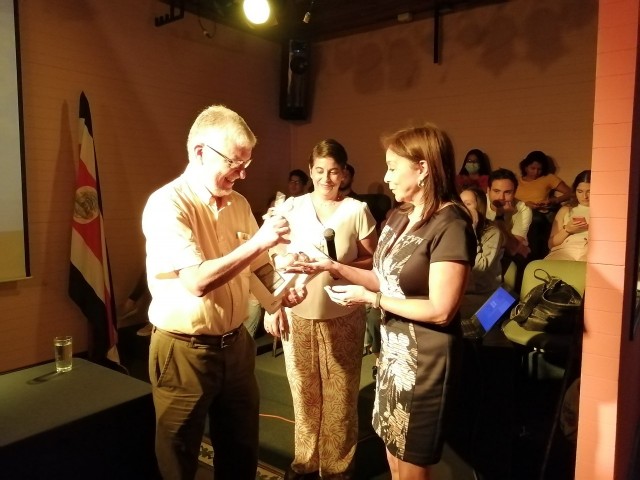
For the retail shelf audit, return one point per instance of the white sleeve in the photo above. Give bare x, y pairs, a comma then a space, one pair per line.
521, 220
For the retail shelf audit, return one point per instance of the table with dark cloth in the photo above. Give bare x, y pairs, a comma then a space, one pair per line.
91, 422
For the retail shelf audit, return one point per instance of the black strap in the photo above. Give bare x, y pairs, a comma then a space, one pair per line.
535, 295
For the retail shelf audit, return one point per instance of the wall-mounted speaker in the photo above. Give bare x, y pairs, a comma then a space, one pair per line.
295, 85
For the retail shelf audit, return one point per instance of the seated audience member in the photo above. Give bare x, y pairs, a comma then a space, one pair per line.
298, 181
538, 189
137, 299
379, 204
570, 230
297, 186
511, 216
474, 172
486, 274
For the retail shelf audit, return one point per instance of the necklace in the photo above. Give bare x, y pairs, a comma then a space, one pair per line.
327, 203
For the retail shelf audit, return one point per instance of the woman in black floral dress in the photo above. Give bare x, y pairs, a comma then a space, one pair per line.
420, 271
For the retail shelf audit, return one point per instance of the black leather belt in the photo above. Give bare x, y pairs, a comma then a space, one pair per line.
217, 341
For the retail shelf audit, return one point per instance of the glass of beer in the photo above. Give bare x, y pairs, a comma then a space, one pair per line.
63, 347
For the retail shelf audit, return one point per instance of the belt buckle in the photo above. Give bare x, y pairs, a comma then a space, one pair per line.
225, 340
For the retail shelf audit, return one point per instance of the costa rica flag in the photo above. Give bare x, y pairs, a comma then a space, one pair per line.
90, 284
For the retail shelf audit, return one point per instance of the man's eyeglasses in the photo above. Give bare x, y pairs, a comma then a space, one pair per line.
230, 162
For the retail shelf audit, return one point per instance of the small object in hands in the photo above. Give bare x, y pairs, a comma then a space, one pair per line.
63, 349
579, 219
302, 257
279, 200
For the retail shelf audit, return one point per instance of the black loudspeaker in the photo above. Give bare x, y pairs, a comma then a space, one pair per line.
295, 81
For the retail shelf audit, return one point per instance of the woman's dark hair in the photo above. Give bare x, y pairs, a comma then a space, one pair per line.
485, 167
432, 145
304, 178
329, 148
583, 177
536, 156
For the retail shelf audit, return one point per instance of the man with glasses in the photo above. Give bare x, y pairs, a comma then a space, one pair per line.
297, 183
201, 241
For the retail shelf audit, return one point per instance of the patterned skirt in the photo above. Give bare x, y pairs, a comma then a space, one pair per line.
418, 367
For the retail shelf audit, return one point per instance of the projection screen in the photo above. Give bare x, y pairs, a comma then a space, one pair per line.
14, 252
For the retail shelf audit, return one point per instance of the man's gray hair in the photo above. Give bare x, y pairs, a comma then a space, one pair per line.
226, 121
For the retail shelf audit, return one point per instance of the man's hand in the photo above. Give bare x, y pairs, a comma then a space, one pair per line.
503, 207
274, 231
294, 296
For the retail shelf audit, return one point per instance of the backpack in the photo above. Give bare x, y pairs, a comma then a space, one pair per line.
552, 307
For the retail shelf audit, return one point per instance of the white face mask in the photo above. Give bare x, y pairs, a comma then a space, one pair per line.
472, 167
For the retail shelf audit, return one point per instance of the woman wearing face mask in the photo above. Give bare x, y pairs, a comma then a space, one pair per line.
474, 172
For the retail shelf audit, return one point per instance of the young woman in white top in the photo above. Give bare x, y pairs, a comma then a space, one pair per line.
323, 347
570, 231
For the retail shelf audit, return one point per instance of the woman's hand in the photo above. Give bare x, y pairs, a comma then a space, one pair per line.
350, 295
276, 323
313, 266
576, 225
288, 262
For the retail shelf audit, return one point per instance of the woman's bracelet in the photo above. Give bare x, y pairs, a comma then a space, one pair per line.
376, 302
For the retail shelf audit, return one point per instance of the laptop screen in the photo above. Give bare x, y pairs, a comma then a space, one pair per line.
494, 308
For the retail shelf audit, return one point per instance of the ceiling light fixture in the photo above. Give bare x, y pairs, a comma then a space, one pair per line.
307, 16
256, 11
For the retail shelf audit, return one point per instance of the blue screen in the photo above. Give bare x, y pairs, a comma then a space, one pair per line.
494, 308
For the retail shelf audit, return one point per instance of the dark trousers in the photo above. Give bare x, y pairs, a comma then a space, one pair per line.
538, 236
190, 381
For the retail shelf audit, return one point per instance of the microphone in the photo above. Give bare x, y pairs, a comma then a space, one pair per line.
329, 237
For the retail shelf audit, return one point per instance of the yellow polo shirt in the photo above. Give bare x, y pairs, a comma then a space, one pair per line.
184, 227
